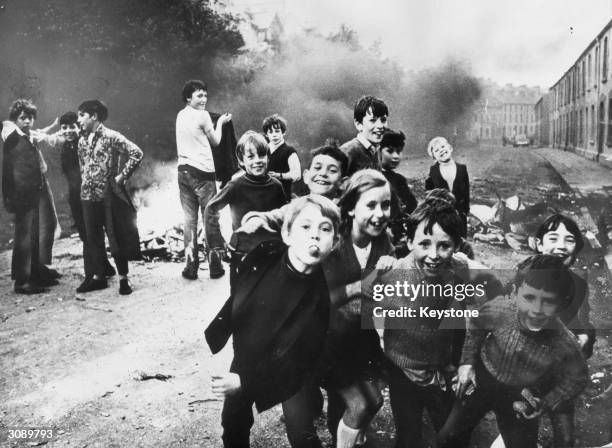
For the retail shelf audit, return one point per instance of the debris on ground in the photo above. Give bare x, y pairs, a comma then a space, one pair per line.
140, 375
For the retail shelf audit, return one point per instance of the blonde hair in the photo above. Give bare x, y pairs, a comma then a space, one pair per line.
328, 210
435, 143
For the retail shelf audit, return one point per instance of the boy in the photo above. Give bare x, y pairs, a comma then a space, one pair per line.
513, 345
107, 160
324, 176
278, 316
403, 201
195, 138
253, 191
284, 163
370, 118
447, 174
27, 194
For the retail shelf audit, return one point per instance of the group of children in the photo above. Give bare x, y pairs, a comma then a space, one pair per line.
301, 284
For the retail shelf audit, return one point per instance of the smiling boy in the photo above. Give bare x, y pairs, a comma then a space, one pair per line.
513, 345
370, 118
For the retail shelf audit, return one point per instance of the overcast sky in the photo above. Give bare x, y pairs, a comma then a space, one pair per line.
515, 41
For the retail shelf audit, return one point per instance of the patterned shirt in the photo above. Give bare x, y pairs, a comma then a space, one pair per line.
95, 158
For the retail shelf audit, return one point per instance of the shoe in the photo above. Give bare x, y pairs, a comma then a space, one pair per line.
191, 271
92, 284
44, 271
29, 288
45, 281
124, 287
215, 268
109, 271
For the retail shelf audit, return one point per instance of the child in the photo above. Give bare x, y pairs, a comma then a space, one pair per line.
27, 194
284, 163
324, 176
353, 356
107, 160
403, 201
278, 316
423, 355
560, 236
513, 345
370, 117
254, 191
447, 174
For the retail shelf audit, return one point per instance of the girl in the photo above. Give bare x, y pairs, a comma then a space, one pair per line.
353, 355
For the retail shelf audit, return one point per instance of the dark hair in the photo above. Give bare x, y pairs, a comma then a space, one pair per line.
359, 183
365, 103
545, 272
552, 223
22, 105
68, 118
274, 121
393, 139
191, 86
95, 107
436, 210
252, 138
440, 196
332, 150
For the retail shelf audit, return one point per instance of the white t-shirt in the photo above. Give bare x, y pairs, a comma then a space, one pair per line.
192, 145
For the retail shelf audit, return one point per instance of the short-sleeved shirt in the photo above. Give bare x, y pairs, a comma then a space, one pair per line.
192, 144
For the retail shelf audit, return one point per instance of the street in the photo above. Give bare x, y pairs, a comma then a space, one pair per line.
76, 363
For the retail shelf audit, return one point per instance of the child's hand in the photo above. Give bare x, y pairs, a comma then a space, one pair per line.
385, 263
225, 384
251, 225
466, 380
225, 118
353, 289
526, 411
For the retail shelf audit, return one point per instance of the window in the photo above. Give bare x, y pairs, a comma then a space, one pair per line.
583, 80
604, 65
580, 129
589, 82
596, 80
609, 140
592, 136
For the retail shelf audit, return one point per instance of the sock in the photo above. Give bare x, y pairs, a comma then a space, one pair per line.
346, 436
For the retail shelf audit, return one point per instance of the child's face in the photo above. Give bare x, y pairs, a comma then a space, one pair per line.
254, 163
536, 307
372, 212
25, 122
560, 243
198, 99
432, 253
70, 131
324, 176
390, 157
310, 239
442, 153
86, 121
275, 135
372, 127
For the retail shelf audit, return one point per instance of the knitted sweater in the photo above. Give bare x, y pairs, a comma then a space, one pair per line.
421, 342
243, 194
519, 357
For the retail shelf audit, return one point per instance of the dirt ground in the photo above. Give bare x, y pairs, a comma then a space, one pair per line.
73, 362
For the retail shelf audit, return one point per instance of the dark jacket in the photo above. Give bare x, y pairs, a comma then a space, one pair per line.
22, 179
359, 157
278, 319
224, 155
461, 186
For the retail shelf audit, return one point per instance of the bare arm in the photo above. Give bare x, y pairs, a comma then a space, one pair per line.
214, 133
